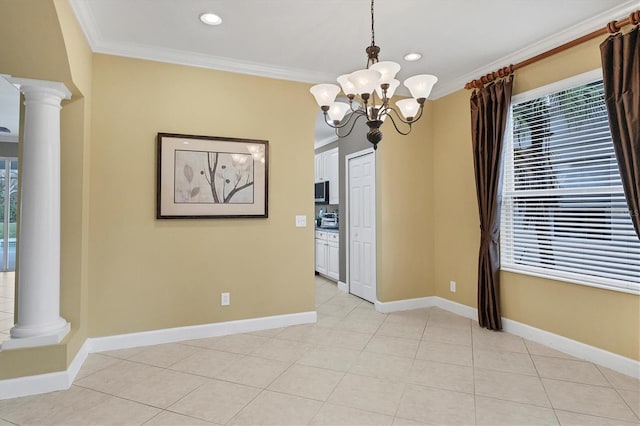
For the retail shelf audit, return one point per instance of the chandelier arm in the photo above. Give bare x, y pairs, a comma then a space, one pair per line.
353, 125
384, 109
395, 125
399, 116
356, 113
416, 118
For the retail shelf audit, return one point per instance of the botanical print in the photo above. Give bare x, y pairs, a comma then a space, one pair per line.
213, 177
203, 177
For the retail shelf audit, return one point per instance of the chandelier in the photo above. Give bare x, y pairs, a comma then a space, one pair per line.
372, 88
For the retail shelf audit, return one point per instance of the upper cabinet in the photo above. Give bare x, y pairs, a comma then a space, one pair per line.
319, 168
331, 167
326, 169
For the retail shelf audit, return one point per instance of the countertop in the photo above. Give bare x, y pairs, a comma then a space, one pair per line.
336, 230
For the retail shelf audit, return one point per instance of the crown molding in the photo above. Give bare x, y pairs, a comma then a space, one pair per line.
87, 22
99, 45
200, 60
592, 24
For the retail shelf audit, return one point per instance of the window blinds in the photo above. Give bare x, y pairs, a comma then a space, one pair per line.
564, 214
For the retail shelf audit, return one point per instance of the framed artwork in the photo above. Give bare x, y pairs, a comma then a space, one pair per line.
207, 177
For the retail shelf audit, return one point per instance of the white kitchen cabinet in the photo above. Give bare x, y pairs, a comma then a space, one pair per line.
321, 252
328, 254
331, 170
333, 256
326, 169
319, 168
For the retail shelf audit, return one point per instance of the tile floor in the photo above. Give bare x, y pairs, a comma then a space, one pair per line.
7, 294
354, 367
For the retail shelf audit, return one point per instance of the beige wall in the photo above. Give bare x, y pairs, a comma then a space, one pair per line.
150, 274
605, 319
74, 180
32, 43
404, 212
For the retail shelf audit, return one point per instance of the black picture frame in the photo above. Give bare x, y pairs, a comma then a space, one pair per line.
211, 177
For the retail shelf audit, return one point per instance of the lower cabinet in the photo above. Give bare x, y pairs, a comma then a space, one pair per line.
321, 255
333, 264
328, 254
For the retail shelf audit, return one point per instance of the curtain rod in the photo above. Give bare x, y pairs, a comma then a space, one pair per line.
612, 28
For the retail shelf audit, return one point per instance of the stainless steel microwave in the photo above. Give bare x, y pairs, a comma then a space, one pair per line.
322, 192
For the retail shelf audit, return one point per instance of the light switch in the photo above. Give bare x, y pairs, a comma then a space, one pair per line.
301, 221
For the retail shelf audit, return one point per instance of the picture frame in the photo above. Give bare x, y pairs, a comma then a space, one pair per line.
210, 177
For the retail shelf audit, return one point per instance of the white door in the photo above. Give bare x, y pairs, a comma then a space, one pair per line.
361, 207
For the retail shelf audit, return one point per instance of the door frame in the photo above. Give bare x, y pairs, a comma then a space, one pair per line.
347, 158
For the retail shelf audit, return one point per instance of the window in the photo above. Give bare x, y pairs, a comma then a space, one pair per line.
564, 215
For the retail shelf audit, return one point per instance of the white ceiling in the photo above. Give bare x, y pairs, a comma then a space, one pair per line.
316, 40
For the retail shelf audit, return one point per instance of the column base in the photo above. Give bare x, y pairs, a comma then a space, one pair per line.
27, 337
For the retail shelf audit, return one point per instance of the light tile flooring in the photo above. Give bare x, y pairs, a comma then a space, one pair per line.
7, 294
355, 366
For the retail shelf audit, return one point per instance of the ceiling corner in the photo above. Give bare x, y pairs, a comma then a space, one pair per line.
87, 22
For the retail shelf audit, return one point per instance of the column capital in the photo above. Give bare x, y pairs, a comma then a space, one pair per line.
28, 86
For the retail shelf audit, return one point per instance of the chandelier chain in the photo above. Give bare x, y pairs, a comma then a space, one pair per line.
373, 32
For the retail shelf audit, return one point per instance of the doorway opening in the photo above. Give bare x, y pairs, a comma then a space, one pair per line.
7, 303
8, 212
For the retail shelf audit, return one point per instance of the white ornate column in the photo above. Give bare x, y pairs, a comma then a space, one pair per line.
39, 321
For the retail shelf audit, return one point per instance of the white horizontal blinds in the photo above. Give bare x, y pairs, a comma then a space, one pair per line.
564, 214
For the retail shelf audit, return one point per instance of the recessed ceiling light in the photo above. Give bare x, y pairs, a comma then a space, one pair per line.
413, 56
211, 19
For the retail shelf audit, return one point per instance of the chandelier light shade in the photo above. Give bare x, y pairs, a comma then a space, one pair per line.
372, 88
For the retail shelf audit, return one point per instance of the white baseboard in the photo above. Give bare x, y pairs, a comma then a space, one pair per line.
616, 362
33, 385
457, 308
572, 347
178, 334
404, 305
43, 383
343, 287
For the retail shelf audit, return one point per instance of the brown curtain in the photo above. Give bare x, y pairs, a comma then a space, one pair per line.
621, 70
489, 112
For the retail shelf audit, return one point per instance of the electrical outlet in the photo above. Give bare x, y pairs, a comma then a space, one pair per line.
224, 299
452, 286
301, 221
